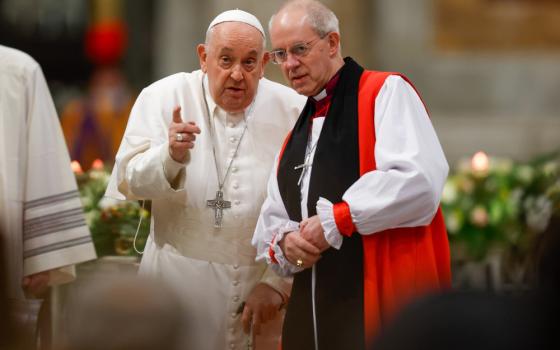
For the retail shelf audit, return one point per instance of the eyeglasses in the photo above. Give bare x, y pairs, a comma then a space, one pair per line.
300, 50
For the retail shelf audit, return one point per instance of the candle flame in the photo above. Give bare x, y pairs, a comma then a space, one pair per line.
76, 167
97, 164
480, 162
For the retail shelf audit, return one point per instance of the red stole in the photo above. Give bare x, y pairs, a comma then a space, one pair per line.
399, 264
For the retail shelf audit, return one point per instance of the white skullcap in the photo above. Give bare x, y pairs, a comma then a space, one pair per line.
237, 15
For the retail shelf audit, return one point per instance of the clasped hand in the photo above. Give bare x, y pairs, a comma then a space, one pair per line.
305, 245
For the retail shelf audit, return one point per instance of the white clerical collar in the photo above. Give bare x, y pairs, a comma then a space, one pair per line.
321, 95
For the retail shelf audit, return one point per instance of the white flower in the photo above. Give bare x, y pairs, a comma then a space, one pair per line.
453, 223
107, 202
90, 217
479, 216
99, 175
502, 166
550, 168
538, 211
86, 201
525, 173
449, 194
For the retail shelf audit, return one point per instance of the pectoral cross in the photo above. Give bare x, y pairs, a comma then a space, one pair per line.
218, 204
305, 165
304, 168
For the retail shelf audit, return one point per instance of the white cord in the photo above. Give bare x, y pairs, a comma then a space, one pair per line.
138, 230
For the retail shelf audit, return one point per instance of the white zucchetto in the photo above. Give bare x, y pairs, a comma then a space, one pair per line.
237, 15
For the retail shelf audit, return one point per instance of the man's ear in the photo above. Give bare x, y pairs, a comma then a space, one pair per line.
202, 55
265, 60
333, 39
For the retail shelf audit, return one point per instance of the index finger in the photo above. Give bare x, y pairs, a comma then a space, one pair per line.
256, 324
177, 115
246, 319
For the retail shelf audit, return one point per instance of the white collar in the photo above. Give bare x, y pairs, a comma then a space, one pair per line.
321, 95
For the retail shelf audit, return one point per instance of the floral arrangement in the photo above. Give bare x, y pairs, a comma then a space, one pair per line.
487, 202
113, 223
497, 203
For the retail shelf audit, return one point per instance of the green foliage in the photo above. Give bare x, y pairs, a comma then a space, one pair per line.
112, 223
500, 203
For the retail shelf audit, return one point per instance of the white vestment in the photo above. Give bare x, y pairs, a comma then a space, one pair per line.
404, 190
41, 218
213, 269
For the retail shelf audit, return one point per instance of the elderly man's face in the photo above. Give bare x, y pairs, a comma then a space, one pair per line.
310, 73
234, 61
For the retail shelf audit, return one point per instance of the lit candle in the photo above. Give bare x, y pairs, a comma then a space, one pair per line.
480, 163
76, 167
97, 164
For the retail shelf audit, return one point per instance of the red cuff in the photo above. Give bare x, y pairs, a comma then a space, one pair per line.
343, 219
271, 252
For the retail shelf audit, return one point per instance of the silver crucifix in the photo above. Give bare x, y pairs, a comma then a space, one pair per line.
304, 168
305, 165
218, 204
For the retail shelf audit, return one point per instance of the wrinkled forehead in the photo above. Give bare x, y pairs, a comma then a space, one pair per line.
235, 34
289, 28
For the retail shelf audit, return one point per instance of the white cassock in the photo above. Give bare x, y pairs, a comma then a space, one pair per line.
404, 190
212, 269
41, 217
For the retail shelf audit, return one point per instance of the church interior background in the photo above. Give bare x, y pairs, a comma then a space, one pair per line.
487, 69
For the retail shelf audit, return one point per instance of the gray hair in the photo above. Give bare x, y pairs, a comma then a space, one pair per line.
322, 20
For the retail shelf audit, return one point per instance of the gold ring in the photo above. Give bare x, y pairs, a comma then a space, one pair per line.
299, 263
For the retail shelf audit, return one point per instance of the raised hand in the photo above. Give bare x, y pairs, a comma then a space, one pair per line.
181, 136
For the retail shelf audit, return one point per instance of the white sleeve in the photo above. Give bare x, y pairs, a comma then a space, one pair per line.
55, 233
406, 187
273, 223
143, 168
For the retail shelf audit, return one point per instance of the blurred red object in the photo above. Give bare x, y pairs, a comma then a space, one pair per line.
106, 42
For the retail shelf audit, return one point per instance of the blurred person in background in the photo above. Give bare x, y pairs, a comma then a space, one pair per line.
353, 204
6, 329
122, 313
41, 216
464, 320
482, 320
94, 122
200, 146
